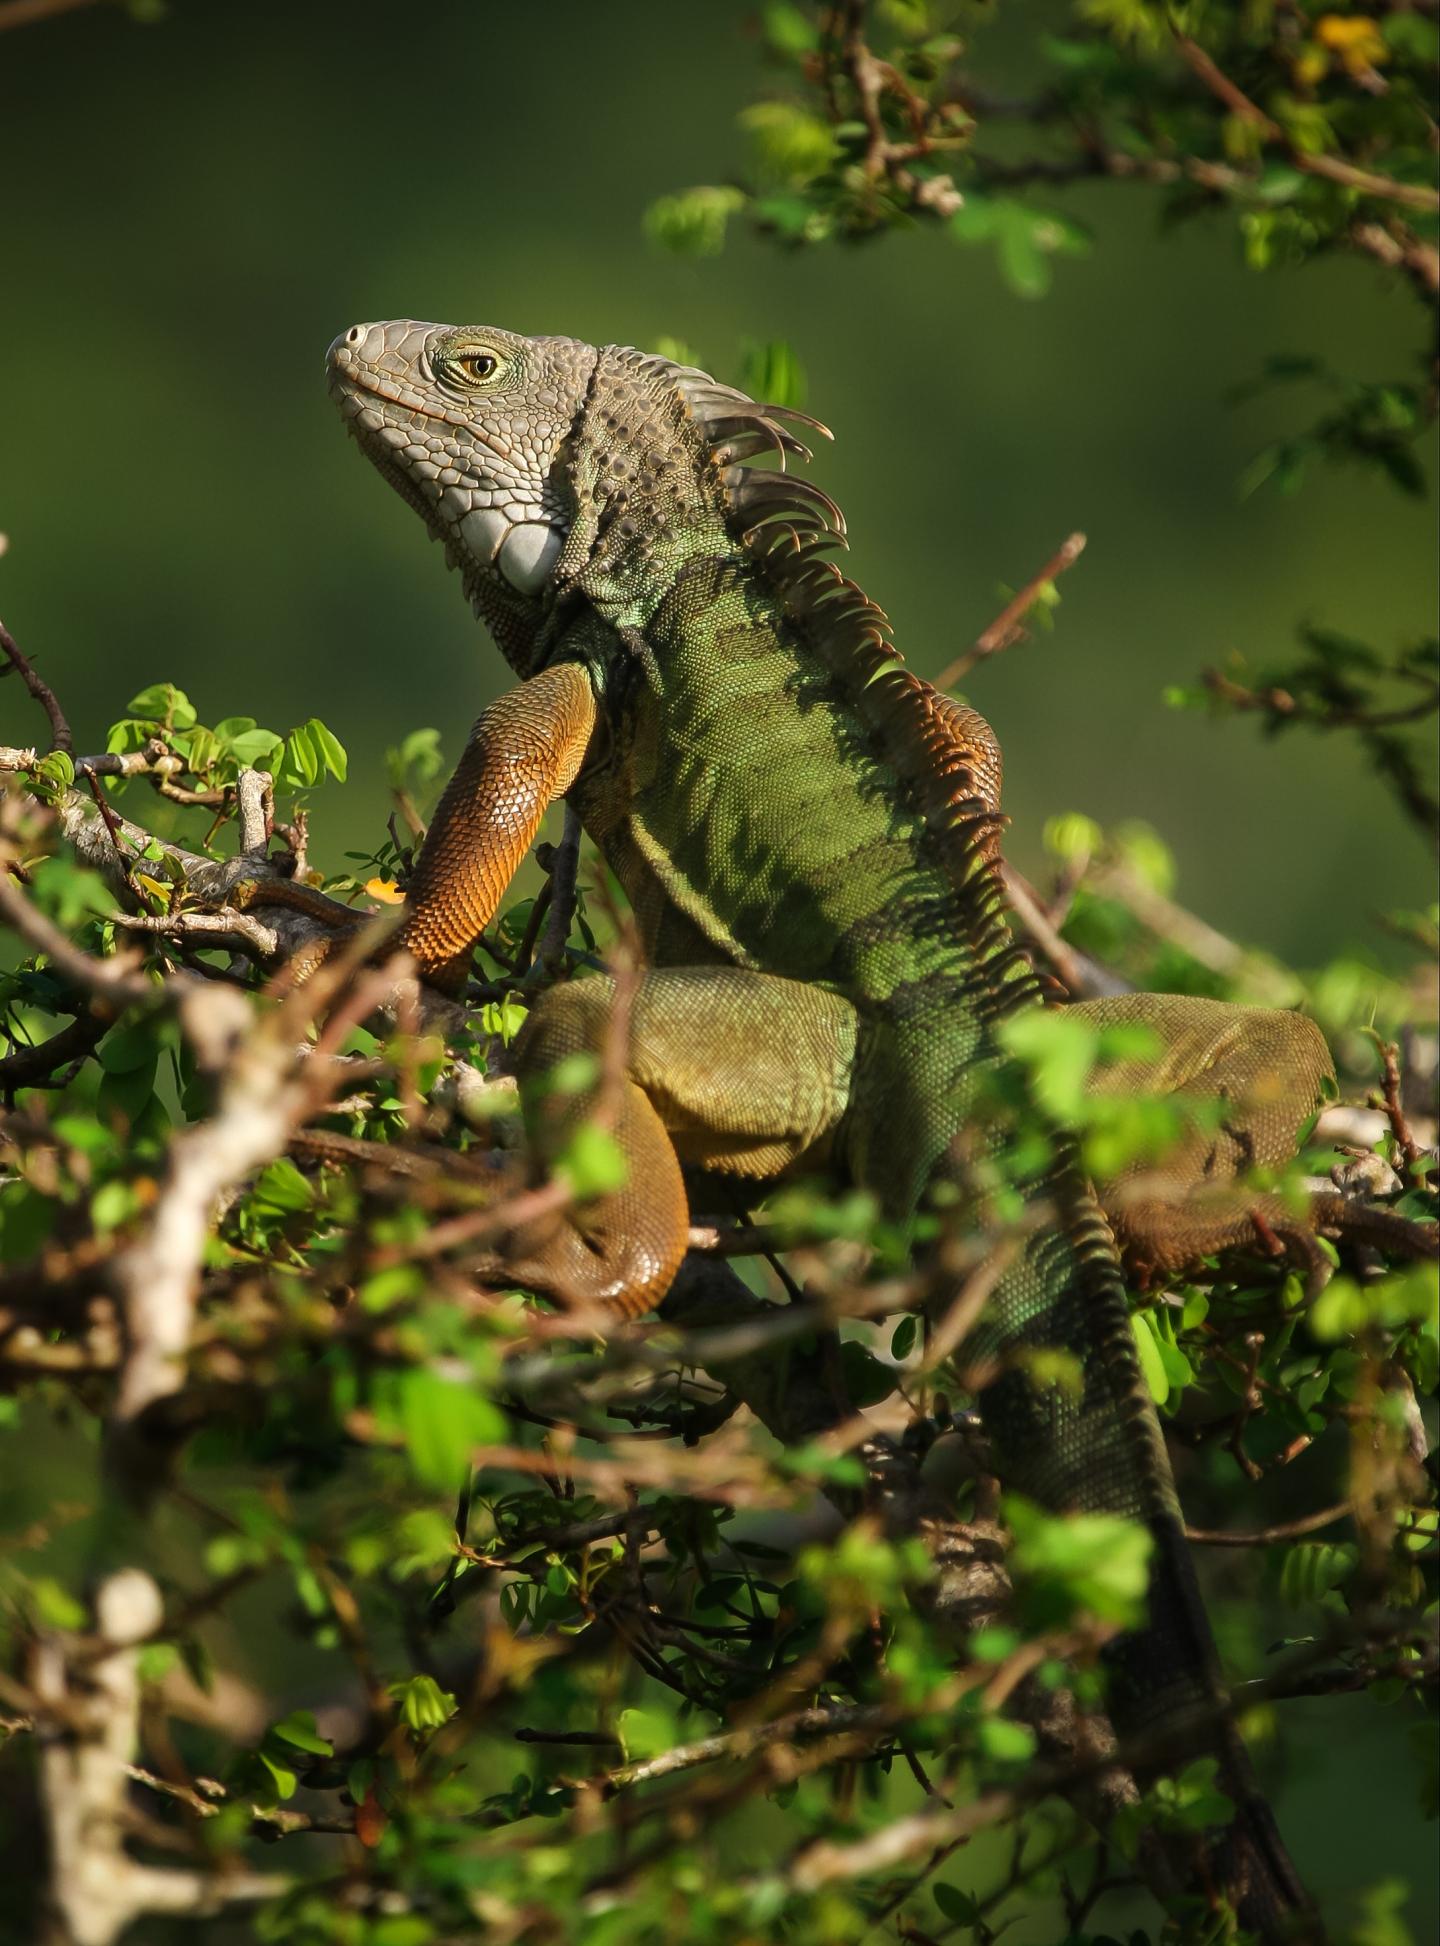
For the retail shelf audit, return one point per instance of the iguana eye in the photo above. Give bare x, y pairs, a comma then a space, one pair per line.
477, 366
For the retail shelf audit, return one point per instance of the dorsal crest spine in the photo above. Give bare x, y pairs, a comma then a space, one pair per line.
786, 525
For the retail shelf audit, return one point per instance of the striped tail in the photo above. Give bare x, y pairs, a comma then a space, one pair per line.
1100, 1449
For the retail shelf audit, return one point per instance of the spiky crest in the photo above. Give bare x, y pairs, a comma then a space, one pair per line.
945, 755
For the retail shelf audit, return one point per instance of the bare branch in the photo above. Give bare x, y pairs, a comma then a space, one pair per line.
1008, 626
255, 790
1286, 1530
1400, 1129
60, 736
224, 927
30, 1067
1085, 978
97, 1889
564, 871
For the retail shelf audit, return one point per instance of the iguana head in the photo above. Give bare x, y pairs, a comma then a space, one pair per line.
544, 463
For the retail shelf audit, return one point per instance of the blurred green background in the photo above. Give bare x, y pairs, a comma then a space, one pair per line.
192, 212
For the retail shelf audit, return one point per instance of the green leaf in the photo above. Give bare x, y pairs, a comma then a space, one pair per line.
1278, 182
55, 1605
693, 223
112, 1204
957, 1906
993, 1644
1023, 263
791, 144
1310, 1569
424, 1705
1406, 1296
1072, 837
903, 1340
400, 1929
330, 749
128, 1092
125, 1049
302, 761
592, 1163
645, 1731
283, 1777
772, 372
163, 704
282, 1188
1152, 1363
443, 1422
1096, 1562
976, 220
1005, 1742
70, 893
419, 753
395, 1285
866, 1379
811, 1462
504, 1018
298, 1730
1178, 1368
1059, 1051
789, 31
1382, 1916
53, 776
252, 749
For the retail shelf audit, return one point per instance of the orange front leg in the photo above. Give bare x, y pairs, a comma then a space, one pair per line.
523, 752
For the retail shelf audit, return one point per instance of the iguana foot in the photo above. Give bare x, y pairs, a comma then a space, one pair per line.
1161, 1240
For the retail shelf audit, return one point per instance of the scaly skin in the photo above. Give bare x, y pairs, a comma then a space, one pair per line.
807, 835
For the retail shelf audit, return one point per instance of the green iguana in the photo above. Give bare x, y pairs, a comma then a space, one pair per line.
807, 834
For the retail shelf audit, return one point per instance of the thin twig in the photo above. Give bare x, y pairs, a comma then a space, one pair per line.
1285, 1530
60, 735
564, 871
1400, 1128
1008, 626
736, 1745
1085, 978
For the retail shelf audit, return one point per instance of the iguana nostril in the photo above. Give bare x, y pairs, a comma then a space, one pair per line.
354, 334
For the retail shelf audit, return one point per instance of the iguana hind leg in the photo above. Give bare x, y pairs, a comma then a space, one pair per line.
724, 1069
1269, 1071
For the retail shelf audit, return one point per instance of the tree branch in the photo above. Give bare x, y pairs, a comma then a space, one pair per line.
97, 1890
61, 736
1365, 181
